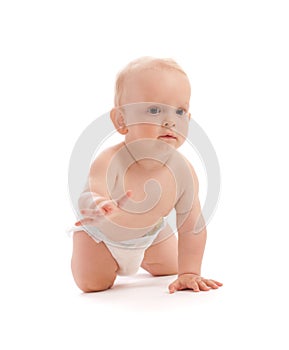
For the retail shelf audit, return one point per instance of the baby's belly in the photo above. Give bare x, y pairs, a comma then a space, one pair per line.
128, 226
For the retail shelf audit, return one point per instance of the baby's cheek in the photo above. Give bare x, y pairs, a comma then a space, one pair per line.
181, 140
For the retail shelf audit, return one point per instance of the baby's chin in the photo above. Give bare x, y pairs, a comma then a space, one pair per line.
152, 148
160, 146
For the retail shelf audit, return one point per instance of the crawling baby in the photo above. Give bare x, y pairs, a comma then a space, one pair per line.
134, 185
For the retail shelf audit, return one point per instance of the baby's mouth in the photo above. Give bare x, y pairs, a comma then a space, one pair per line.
168, 137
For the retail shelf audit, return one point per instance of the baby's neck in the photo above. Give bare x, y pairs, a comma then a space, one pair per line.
147, 155
150, 164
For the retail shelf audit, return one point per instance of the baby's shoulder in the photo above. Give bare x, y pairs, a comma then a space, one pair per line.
104, 158
179, 162
183, 169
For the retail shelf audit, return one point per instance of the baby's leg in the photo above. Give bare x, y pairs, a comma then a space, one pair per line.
93, 267
161, 258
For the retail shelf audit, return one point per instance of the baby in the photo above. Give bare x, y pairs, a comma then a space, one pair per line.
134, 185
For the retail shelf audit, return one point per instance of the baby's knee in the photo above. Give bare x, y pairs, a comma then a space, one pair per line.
90, 286
158, 269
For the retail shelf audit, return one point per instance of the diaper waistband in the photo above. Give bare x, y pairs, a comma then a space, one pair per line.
134, 243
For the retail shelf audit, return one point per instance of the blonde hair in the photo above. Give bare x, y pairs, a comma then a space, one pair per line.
141, 64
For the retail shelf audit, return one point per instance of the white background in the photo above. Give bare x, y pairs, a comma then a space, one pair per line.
58, 64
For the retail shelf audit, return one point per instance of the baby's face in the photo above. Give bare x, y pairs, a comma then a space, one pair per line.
156, 104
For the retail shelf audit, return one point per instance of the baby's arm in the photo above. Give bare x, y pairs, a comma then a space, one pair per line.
95, 202
96, 189
191, 244
192, 235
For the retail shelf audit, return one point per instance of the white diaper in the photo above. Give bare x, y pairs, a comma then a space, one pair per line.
129, 253
128, 260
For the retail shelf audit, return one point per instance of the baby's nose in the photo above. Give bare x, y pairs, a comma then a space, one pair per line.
168, 124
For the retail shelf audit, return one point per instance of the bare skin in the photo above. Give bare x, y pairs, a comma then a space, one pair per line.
182, 256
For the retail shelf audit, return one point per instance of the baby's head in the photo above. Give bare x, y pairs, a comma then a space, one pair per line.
145, 89
142, 80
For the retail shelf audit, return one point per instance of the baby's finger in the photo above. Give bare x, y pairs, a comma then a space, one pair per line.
204, 286
217, 283
212, 284
123, 199
174, 286
108, 207
193, 285
84, 221
89, 221
92, 212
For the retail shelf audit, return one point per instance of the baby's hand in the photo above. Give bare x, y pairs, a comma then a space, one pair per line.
104, 208
194, 282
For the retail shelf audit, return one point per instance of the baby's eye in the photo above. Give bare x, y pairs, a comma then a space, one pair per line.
181, 112
154, 110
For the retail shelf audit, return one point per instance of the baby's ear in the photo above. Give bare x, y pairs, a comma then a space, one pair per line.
117, 118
